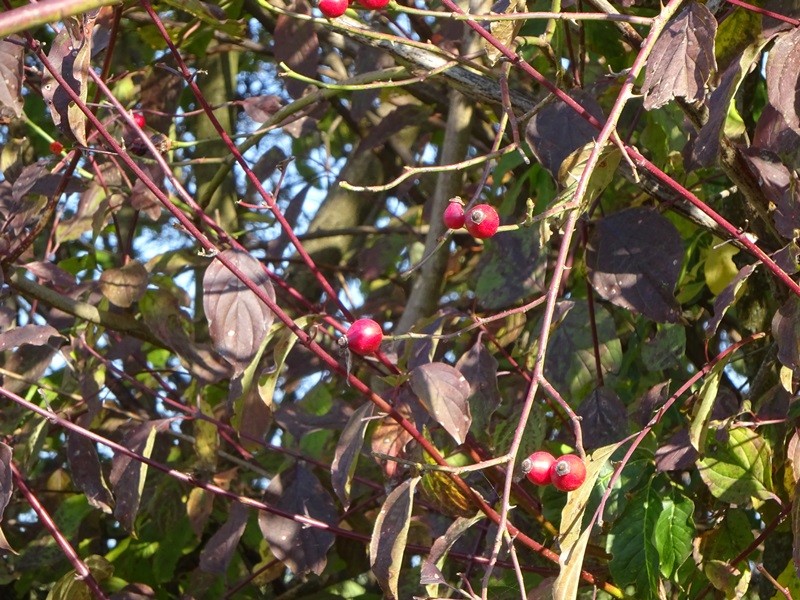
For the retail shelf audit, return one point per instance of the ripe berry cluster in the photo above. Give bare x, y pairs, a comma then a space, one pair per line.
336, 8
566, 473
481, 220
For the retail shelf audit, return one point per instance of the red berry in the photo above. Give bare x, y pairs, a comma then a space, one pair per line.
482, 221
139, 119
453, 216
364, 336
537, 467
568, 473
333, 8
373, 4
56, 147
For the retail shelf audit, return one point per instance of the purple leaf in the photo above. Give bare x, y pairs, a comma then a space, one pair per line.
604, 418
677, 453
443, 392
682, 59
6, 489
34, 335
389, 537
634, 258
86, 472
786, 329
238, 321
302, 548
727, 297
429, 572
783, 77
780, 186
128, 475
218, 551
296, 44
773, 133
651, 402
557, 131
348, 448
12, 54
479, 368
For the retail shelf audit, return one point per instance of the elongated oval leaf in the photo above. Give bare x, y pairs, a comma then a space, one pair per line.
301, 548
783, 76
84, 465
238, 320
674, 532
218, 551
348, 447
126, 285
443, 392
12, 53
389, 536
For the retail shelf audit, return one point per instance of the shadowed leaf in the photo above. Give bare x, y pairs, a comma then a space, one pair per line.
302, 548
218, 551
786, 329
726, 298
429, 571
783, 77
34, 335
780, 185
12, 53
604, 418
479, 368
297, 45
86, 471
125, 285
389, 438
389, 537
348, 447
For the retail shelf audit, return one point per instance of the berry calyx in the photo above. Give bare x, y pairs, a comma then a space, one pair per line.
482, 221
56, 147
139, 119
537, 467
373, 4
333, 8
453, 215
568, 473
364, 336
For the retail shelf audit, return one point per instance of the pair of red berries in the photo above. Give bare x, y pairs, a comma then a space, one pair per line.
566, 473
336, 8
481, 220
364, 337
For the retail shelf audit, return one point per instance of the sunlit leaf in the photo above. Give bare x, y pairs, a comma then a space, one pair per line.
443, 392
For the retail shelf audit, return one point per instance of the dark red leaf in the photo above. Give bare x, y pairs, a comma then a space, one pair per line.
348, 448
479, 368
780, 186
389, 537
296, 44
34, 335
604, 418
786, 329
86, 472
677, 454
682, 59
443, 392
634, 258
52, 275
6, 489
238, 321
783, 77
218, 551
727, 297
302, 548
773, 133
128, 475
12, 53
557, 131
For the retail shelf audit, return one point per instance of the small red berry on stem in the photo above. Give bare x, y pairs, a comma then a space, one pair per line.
453, 216
139, 119
537, 467
56, 147
568, 473
333, 8
482, 221
364, 336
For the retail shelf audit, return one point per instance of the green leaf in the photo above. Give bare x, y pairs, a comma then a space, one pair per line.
739, 468
674, 532
666, 348
719, 268
631, 541
702, 411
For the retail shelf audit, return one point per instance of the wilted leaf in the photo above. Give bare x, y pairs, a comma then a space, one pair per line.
443, 392
128, 475
348, 447
70, 56
34, 335
634, 258
389, 537
218, 551
783, 77
571, 539
301, 548
391, 439
737, 468
12, 53
440, 491
504, 31
125, 285
574, 166
727, 297
429, 571
556, 131
604, 418
84, 465
682, 59
238, 320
